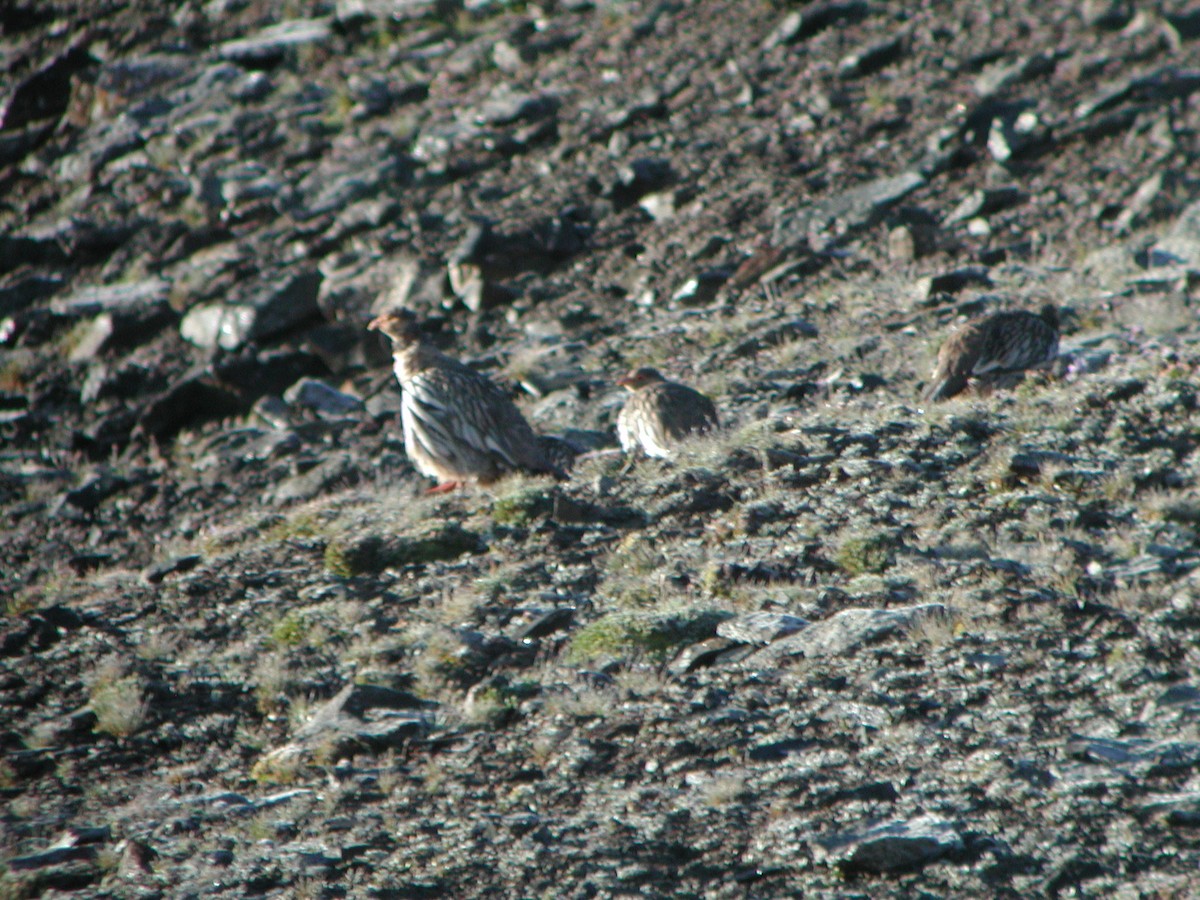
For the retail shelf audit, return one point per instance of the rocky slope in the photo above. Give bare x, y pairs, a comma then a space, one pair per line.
849, 646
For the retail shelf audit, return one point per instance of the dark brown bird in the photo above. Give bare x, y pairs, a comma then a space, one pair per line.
459, 426
1005, 343
661, 413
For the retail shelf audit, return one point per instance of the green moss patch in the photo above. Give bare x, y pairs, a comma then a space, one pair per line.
638, 633
375, 552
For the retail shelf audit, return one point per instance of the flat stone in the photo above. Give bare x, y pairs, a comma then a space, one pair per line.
1158, 86
932, 287
1017, 133
815, 17
846, 632
157, 572
110, 297
270, 43
873, 57
700, 290
504, 106
985, 202
27, 291
1141, 757
361, 717
1182, 243
761, 627
890, 846
335, 469
822, 223
316, 395
264, 315
92, 493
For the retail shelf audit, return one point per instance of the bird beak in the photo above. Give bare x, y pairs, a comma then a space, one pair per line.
376, 324
624, 381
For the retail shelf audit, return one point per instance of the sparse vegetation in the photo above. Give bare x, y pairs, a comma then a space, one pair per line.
624, 635
292, 630
522, 504
274, 662
370, 553
867, 554
120, 706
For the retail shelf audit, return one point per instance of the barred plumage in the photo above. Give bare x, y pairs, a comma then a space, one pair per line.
458, 425
1001, 345
661, 413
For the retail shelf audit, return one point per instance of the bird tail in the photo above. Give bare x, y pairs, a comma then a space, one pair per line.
945, 388
557, 456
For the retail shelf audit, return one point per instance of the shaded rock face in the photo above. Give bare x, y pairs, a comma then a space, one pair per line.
846, 644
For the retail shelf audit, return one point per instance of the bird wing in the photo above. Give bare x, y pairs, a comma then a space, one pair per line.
472, 407
1016, 340
680, 410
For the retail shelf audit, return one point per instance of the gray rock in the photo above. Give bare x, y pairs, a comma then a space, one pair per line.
111, 297
337, 470
273, 411
348, 12
1107, 14
505, 106
17, 143
823, 223
890, 846
361, 716
217, 325
1002, 76
760, 627
96, 490
639, 177
847, 632
1139, 757
815, 17
46, 92
122, 329
247, 182
230, 450
700, 290
706, 653
1158, 86
266, 314
1182, 242
252, 87
659, 205
1018, 133
27, 291
331, 189
1180, 809
534, 624
1139, 203
872, 58
272, 42
97, 334
438, 144
934, 287
322, 399
985, 202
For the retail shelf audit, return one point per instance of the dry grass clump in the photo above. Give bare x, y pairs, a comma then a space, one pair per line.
634, 634
118, 701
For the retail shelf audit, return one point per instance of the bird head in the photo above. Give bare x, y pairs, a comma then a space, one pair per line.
640, 377
400, 325
1049, 314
